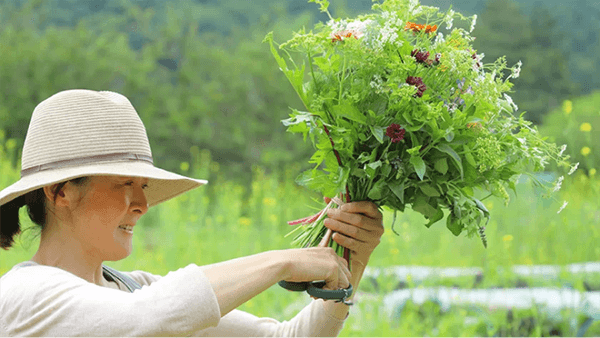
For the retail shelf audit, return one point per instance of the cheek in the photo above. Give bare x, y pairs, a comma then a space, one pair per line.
106, 208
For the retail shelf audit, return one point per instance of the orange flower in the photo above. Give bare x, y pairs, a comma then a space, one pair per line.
341, 35
418, 28
431, 29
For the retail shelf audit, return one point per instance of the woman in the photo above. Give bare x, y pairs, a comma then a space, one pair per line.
87, 177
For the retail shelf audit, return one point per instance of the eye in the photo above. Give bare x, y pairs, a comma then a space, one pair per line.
129, 183
145, 186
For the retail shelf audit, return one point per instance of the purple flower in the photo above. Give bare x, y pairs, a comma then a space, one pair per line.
420, 56
395, 132
417, 82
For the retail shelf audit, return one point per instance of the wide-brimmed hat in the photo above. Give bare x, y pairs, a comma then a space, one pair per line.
77, 133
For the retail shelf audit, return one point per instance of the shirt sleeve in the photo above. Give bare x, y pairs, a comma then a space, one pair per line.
47, 301
311, 321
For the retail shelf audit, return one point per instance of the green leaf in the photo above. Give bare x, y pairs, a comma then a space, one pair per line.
454, 225
457, 160
481, 207
296, 76
438, 216
429, 190
377, 190
449, 136
397, 189
350, 112
421, 205
441, 166
419, 165
378, 132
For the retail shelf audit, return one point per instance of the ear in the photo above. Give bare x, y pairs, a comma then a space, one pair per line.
60, 198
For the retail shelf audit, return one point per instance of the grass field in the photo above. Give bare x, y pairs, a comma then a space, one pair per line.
223, 220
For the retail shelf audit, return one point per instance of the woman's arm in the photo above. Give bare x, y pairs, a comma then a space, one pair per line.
236, 281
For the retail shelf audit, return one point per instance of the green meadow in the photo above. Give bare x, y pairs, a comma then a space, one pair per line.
224, 220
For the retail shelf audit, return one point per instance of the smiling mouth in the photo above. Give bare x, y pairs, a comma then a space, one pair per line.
126, 228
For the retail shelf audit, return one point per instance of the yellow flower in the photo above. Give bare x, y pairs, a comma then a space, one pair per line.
269, 201
585, 127
592, 172
184, 166
507, 238
585, 151
567, 107
245, 221
394, 251
11, 144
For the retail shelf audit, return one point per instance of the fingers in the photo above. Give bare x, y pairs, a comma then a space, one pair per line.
368, 209
345, 221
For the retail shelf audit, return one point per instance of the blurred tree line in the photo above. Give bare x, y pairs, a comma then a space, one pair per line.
199, 74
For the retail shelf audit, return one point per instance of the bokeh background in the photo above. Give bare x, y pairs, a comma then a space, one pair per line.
212, 98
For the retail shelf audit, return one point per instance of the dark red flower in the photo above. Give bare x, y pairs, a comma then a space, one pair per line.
420, 56
395, 132
417, 82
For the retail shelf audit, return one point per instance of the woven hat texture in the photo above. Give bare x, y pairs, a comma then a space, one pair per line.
80, 132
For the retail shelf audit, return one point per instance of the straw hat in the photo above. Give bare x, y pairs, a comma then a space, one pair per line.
78, 133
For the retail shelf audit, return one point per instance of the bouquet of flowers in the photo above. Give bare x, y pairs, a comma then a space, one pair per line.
402, 114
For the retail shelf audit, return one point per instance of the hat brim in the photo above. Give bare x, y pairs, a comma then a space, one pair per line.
162, 185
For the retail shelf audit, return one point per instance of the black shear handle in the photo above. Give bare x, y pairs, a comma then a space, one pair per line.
316, 290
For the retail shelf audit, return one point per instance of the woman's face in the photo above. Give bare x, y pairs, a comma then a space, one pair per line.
104, 218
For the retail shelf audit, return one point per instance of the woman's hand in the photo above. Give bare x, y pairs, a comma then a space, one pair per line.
358, 227
314, 264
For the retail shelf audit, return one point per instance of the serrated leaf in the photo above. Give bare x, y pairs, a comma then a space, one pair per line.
419, 165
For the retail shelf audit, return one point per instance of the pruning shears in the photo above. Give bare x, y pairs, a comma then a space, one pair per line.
316, 290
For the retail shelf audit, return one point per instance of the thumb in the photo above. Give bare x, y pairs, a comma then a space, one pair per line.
325, 241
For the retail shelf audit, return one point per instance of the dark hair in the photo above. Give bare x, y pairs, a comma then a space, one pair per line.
36, 209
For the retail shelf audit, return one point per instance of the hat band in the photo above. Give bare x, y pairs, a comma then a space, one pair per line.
87, 160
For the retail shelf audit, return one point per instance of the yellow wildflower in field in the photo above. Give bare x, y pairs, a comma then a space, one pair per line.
507, 238
585, 151
245, 221
270, 202
394, 251
592, 172
184, 166
11, 144
567, 107
585, 127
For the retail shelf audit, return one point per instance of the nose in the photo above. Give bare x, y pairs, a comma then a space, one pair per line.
139, 203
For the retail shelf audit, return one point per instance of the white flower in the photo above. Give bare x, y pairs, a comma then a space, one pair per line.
562, 150
449, 19
359, 26
558, 184
516, 71
573, 168
562, 207
510, 101
473, 23
439, 38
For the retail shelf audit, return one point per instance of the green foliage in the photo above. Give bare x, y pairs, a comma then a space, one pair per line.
374, 74
577, 125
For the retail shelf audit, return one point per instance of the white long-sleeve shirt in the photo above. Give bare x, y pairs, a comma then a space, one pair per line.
39, 300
